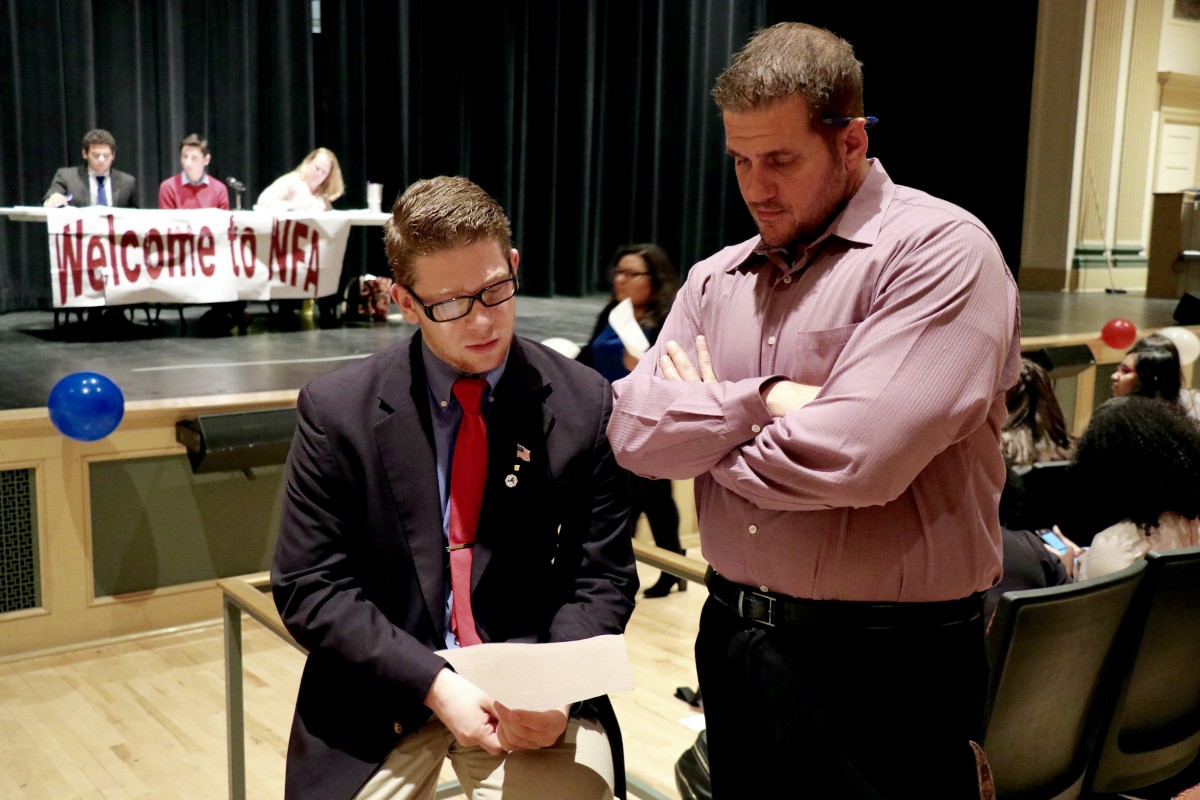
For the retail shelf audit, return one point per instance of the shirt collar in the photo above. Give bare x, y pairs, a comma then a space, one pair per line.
859, 221
440, 376
183, 178
92, 173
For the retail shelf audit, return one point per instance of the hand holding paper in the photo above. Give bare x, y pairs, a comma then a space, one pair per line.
542, 677
628, 331
465, 710
530, 730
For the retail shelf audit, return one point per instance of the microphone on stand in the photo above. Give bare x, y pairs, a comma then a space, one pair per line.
238, 187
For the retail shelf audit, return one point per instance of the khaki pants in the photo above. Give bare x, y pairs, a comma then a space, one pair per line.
578, 766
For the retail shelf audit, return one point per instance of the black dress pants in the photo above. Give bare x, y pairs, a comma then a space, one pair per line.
817, 711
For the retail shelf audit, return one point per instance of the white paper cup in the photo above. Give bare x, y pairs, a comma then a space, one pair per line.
374, 197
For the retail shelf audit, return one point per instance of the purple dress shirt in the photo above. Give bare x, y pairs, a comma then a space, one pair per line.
886, 486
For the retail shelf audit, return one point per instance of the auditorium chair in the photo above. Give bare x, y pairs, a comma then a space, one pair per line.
1052, 660
1152, 731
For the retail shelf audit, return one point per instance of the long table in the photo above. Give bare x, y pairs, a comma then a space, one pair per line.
356, 216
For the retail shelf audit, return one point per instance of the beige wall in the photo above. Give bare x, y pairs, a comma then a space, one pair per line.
1109, 74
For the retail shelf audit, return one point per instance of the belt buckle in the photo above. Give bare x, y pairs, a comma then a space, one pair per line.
769, 619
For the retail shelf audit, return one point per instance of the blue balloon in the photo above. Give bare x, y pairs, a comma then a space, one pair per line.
86, 406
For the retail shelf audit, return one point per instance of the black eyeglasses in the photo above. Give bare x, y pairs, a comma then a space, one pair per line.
842, 122
459, 307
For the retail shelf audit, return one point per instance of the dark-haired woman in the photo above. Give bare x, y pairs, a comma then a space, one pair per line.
1152, 369
1136, 469
644, 275
1035, 430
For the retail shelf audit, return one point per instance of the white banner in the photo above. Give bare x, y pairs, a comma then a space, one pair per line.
119, 256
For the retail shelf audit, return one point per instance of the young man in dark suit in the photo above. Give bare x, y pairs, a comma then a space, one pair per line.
94, 183
364, 572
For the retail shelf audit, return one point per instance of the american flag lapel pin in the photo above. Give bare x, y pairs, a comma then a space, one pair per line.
522, 455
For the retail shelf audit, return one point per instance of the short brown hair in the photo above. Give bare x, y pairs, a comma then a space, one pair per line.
439, 214
98, 136
195, 140
789, 59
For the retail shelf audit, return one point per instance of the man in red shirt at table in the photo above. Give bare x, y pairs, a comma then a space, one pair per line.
195, 188
836, 388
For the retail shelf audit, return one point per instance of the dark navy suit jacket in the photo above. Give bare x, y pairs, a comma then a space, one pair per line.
360, 570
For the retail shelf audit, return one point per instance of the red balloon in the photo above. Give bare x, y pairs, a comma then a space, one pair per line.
1118, 333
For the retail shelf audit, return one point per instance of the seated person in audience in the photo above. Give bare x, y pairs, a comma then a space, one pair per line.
312, 186
643, 274
1029, 563
194, 187
1035, 430
1152, 368
1136, 474
94, 183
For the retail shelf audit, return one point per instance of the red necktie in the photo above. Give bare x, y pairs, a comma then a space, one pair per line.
467, 473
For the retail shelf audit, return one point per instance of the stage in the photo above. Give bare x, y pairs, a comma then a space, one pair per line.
157, 362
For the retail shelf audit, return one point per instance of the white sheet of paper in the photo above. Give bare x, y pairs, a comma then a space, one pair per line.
628, 331
539, 677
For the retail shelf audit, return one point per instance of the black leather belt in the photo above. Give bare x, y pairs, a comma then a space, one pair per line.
771, 610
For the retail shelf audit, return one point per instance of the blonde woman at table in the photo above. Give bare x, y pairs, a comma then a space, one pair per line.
312, 186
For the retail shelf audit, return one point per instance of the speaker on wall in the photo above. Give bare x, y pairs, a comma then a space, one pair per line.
1188, 310
231, 442
1063, 362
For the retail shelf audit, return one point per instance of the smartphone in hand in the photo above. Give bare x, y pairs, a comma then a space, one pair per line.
1051, 538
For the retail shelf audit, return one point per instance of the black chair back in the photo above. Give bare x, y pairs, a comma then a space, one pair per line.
1051, 656
1154, 728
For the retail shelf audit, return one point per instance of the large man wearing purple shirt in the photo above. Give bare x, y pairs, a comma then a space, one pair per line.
836, 388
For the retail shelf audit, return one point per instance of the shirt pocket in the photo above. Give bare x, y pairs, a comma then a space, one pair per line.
817, 352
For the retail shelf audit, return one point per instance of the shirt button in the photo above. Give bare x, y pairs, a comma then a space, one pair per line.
787, 278
763, 589
753, 529
755, 428
771, 340
444, 403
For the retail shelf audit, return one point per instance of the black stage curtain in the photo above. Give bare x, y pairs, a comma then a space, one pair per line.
150, 71
590, 122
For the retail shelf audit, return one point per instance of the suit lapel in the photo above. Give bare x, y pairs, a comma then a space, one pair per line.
405, 444
86, 192
519, 422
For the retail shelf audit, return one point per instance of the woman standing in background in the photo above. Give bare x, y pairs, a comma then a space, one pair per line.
644, 275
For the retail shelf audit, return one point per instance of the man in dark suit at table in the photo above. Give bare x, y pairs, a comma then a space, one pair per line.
386, 555
94, 183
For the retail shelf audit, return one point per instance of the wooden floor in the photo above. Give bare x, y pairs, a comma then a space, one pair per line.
146, 719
